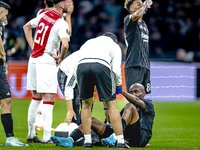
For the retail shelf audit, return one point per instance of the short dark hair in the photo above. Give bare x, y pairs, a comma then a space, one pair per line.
49, 3
111, 35
4, 5
127, 4
57, 1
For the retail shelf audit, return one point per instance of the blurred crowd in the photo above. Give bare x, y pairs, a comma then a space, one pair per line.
174, 26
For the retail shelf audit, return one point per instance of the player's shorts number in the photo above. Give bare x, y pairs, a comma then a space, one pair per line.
148, 87
39, 37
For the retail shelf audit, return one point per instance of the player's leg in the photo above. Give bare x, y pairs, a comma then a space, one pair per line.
129, 115
47, 84
48, 104
86, 89
6, 106
35, 102
6, 117
32, 114
130, 122
116, 123
106, 89
86, 120
101, 129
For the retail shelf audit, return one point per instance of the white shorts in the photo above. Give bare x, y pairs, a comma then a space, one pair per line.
42, 77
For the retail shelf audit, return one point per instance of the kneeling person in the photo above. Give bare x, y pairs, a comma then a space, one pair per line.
67, 81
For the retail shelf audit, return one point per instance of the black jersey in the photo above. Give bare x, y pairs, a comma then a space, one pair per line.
146, 117
137, 42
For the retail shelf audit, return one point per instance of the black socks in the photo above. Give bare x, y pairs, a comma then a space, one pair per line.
123, 125
76, 134
7, 122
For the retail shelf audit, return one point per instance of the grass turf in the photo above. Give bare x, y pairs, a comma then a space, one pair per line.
176, 125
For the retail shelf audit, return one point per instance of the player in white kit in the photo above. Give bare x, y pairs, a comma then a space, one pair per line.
42, 70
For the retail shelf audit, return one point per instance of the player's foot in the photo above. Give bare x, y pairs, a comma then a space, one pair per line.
122, 145
109, 141
35, 139
48, 142
87, 145
148, 144
69, 142
12, 141
64, 142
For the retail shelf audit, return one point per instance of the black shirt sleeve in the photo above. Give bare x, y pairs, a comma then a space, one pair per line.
149, 107
129, 22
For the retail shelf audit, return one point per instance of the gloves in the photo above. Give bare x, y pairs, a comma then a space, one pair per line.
119, 90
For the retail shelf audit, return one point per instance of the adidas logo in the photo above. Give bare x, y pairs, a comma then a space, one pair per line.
8, 93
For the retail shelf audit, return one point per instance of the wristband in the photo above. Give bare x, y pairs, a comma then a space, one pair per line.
105, 108
119, 90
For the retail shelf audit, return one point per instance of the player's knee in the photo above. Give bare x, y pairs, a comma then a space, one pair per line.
6, 104
94, 120
130, 107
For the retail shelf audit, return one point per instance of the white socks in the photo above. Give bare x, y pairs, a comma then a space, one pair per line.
119, 138
32, 112
47, 119
88, 138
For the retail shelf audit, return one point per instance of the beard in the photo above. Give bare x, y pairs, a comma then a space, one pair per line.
65, 10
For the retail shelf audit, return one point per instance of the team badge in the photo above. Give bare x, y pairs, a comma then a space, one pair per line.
67, 31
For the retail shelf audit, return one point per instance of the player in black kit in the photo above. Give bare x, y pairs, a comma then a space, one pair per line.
5, 94
137, 65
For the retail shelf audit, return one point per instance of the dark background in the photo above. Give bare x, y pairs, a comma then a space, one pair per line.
174, 25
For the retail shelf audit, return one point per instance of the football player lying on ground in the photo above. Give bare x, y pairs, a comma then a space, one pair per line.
137, 123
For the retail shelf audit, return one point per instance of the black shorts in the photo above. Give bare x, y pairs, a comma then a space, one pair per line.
4, 85
138, 75
91, 74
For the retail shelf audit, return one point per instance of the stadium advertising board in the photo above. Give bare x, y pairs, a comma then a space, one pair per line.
169, 81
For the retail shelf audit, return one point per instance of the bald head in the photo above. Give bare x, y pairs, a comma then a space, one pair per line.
138, 90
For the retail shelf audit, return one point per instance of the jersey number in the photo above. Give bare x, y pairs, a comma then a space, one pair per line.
39, 38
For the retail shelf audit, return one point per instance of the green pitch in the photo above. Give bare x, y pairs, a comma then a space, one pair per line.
176, 125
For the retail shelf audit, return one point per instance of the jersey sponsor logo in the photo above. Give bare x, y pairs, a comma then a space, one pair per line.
145, 37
